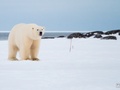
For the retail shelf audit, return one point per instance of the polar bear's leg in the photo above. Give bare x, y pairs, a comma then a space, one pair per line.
12, 53
24, 53
35, 49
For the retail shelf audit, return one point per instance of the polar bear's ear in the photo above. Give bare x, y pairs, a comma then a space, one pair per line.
43, 27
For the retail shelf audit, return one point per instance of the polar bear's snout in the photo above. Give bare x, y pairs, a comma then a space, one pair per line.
40, 33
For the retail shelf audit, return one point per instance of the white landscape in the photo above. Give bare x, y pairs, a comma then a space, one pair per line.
92, 64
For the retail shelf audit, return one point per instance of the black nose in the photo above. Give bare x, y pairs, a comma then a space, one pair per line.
40, 33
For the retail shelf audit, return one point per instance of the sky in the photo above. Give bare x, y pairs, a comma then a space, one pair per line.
61, 15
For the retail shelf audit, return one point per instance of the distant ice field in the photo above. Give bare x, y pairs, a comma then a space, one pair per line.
92, 64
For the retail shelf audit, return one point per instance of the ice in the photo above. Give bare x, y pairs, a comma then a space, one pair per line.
92, 64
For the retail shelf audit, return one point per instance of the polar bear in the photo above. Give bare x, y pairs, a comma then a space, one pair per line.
25, 38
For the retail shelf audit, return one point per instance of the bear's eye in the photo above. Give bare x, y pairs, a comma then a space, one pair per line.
32, 28
37, 29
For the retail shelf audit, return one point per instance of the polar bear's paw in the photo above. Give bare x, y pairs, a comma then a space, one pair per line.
27, 59
35, 59
13, 59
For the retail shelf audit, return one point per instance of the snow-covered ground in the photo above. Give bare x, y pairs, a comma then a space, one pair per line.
92, 64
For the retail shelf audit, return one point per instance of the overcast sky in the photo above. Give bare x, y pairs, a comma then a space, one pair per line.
62, 15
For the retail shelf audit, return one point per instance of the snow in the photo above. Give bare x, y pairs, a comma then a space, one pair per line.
92, 64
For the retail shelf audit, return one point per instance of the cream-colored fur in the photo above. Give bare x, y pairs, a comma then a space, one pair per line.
25, 38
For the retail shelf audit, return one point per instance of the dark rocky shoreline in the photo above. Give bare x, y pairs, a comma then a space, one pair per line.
108, 35
103, 35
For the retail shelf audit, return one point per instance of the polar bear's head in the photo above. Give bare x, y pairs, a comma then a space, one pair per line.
36, 31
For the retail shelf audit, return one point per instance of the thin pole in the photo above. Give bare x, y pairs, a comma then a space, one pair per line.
70, 45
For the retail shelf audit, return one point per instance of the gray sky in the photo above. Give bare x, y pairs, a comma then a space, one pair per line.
62, 15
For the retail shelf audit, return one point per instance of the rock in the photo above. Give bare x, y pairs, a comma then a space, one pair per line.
89, 34
109, 37
98, 32
61, 36
119, 33
76, 35
48, 37
98, 36
112, 32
